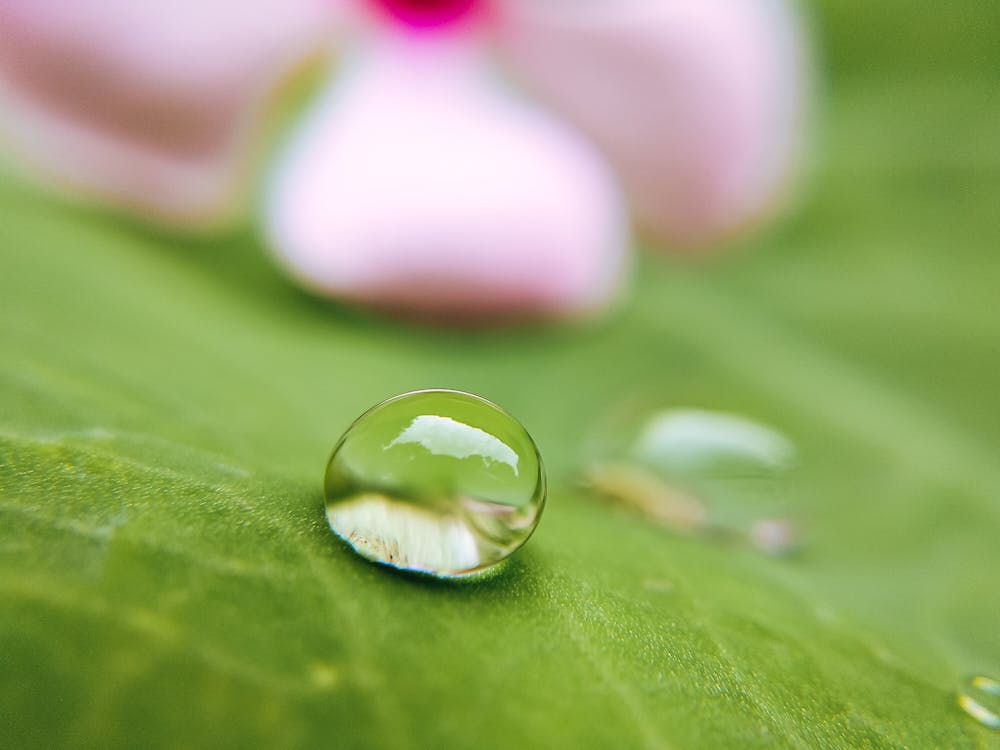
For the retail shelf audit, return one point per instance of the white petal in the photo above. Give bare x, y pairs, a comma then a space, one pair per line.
417, 185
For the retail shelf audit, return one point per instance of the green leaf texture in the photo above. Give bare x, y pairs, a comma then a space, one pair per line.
167, 578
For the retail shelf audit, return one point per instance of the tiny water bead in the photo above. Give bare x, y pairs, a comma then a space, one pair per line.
697, 471
979, 697
438, 481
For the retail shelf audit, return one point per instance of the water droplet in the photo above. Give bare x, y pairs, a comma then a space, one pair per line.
437, 481
738, 468
697, 471
979, 697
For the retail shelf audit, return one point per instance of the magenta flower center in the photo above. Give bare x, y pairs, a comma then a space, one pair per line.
427, 14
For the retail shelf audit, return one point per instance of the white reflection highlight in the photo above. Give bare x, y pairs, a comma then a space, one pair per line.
443, 436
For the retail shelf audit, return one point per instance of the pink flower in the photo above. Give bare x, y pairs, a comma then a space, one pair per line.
696, 102
147, 105
423, 178
416, 185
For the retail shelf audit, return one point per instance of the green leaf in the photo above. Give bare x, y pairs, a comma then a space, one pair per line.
167, 578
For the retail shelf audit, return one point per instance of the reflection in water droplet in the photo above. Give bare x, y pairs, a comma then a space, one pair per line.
440, 482
443, 436
979, 697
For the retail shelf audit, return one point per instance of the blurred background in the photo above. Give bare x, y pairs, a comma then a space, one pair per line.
227, 231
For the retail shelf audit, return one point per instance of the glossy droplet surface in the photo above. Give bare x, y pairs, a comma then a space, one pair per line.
438, 481
979, 697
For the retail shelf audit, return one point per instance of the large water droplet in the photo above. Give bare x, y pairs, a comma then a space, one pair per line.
437, 481
979, 697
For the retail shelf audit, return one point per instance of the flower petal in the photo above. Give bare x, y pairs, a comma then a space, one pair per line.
147, 104
697, 102
416, 185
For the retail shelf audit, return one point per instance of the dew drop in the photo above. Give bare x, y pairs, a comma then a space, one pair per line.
699, 471
979, 697
437, 481
738, 467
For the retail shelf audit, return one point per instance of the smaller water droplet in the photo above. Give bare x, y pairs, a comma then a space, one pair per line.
697, 471
738, 468
979, 697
